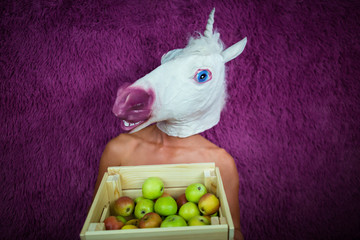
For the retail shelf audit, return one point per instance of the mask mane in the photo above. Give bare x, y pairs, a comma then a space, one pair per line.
204, 45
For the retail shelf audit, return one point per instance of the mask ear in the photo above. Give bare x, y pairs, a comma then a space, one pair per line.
170, 55
235, 50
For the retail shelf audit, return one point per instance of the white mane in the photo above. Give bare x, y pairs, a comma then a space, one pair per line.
201, 45
204, 45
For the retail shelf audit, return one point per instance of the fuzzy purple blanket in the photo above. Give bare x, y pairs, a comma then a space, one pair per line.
291, 121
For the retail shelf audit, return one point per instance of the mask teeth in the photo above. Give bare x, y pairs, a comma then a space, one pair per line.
127, 124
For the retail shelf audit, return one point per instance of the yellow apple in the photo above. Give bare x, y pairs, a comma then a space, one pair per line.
208, 204
129, 227
134, 222
124, 206
150, 220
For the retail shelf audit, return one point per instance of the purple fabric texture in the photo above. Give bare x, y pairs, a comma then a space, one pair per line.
292, 120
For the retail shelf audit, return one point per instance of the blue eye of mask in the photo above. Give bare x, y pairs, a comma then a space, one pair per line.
203, 75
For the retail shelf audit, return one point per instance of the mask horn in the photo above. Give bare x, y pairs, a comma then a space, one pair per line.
209, 26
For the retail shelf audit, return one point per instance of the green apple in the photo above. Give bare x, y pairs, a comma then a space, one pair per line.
152, 188
208, 204
215, 214
111, 223
208, 218
173, 221
124, 206
198, 221
138, 199
150, 220
121, 219
189, 210
194, 192
165, 194
143, 207
165, 206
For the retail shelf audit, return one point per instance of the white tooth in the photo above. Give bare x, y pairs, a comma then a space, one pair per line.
127, 124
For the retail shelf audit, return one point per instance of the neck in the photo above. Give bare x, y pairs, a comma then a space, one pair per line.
161, 138
191, 126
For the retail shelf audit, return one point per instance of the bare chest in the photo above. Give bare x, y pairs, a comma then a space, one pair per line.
155, 155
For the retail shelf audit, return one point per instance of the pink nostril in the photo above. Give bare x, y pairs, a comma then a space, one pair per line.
137, 99
133, 104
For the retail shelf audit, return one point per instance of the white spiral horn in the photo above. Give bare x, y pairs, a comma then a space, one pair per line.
209, 26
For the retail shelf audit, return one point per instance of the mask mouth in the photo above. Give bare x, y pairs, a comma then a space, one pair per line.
133, 106
128, 126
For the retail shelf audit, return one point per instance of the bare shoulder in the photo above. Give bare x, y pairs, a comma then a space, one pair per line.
221, 157
121, 141
115, 152
118, 148
219, 153
225, 160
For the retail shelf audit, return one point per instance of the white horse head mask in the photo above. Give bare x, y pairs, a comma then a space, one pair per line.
186, 93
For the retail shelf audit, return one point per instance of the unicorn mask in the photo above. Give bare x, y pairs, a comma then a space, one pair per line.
186, 93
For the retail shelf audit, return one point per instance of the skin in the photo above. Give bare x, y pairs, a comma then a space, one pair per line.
151, 146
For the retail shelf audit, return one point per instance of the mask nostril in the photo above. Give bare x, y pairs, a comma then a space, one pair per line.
137, 98
134, 104
137, 106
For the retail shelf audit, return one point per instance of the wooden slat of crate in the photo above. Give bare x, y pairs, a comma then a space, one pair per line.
96, 227
173, 175
225, 209
105, 213
113, 186
215, 232
210, 180
96, 210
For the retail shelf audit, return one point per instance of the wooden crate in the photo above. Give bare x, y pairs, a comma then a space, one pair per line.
127, 181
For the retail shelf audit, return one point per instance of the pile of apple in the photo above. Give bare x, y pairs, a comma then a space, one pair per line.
156, 208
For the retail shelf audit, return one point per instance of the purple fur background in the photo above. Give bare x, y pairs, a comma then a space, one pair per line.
292, 121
